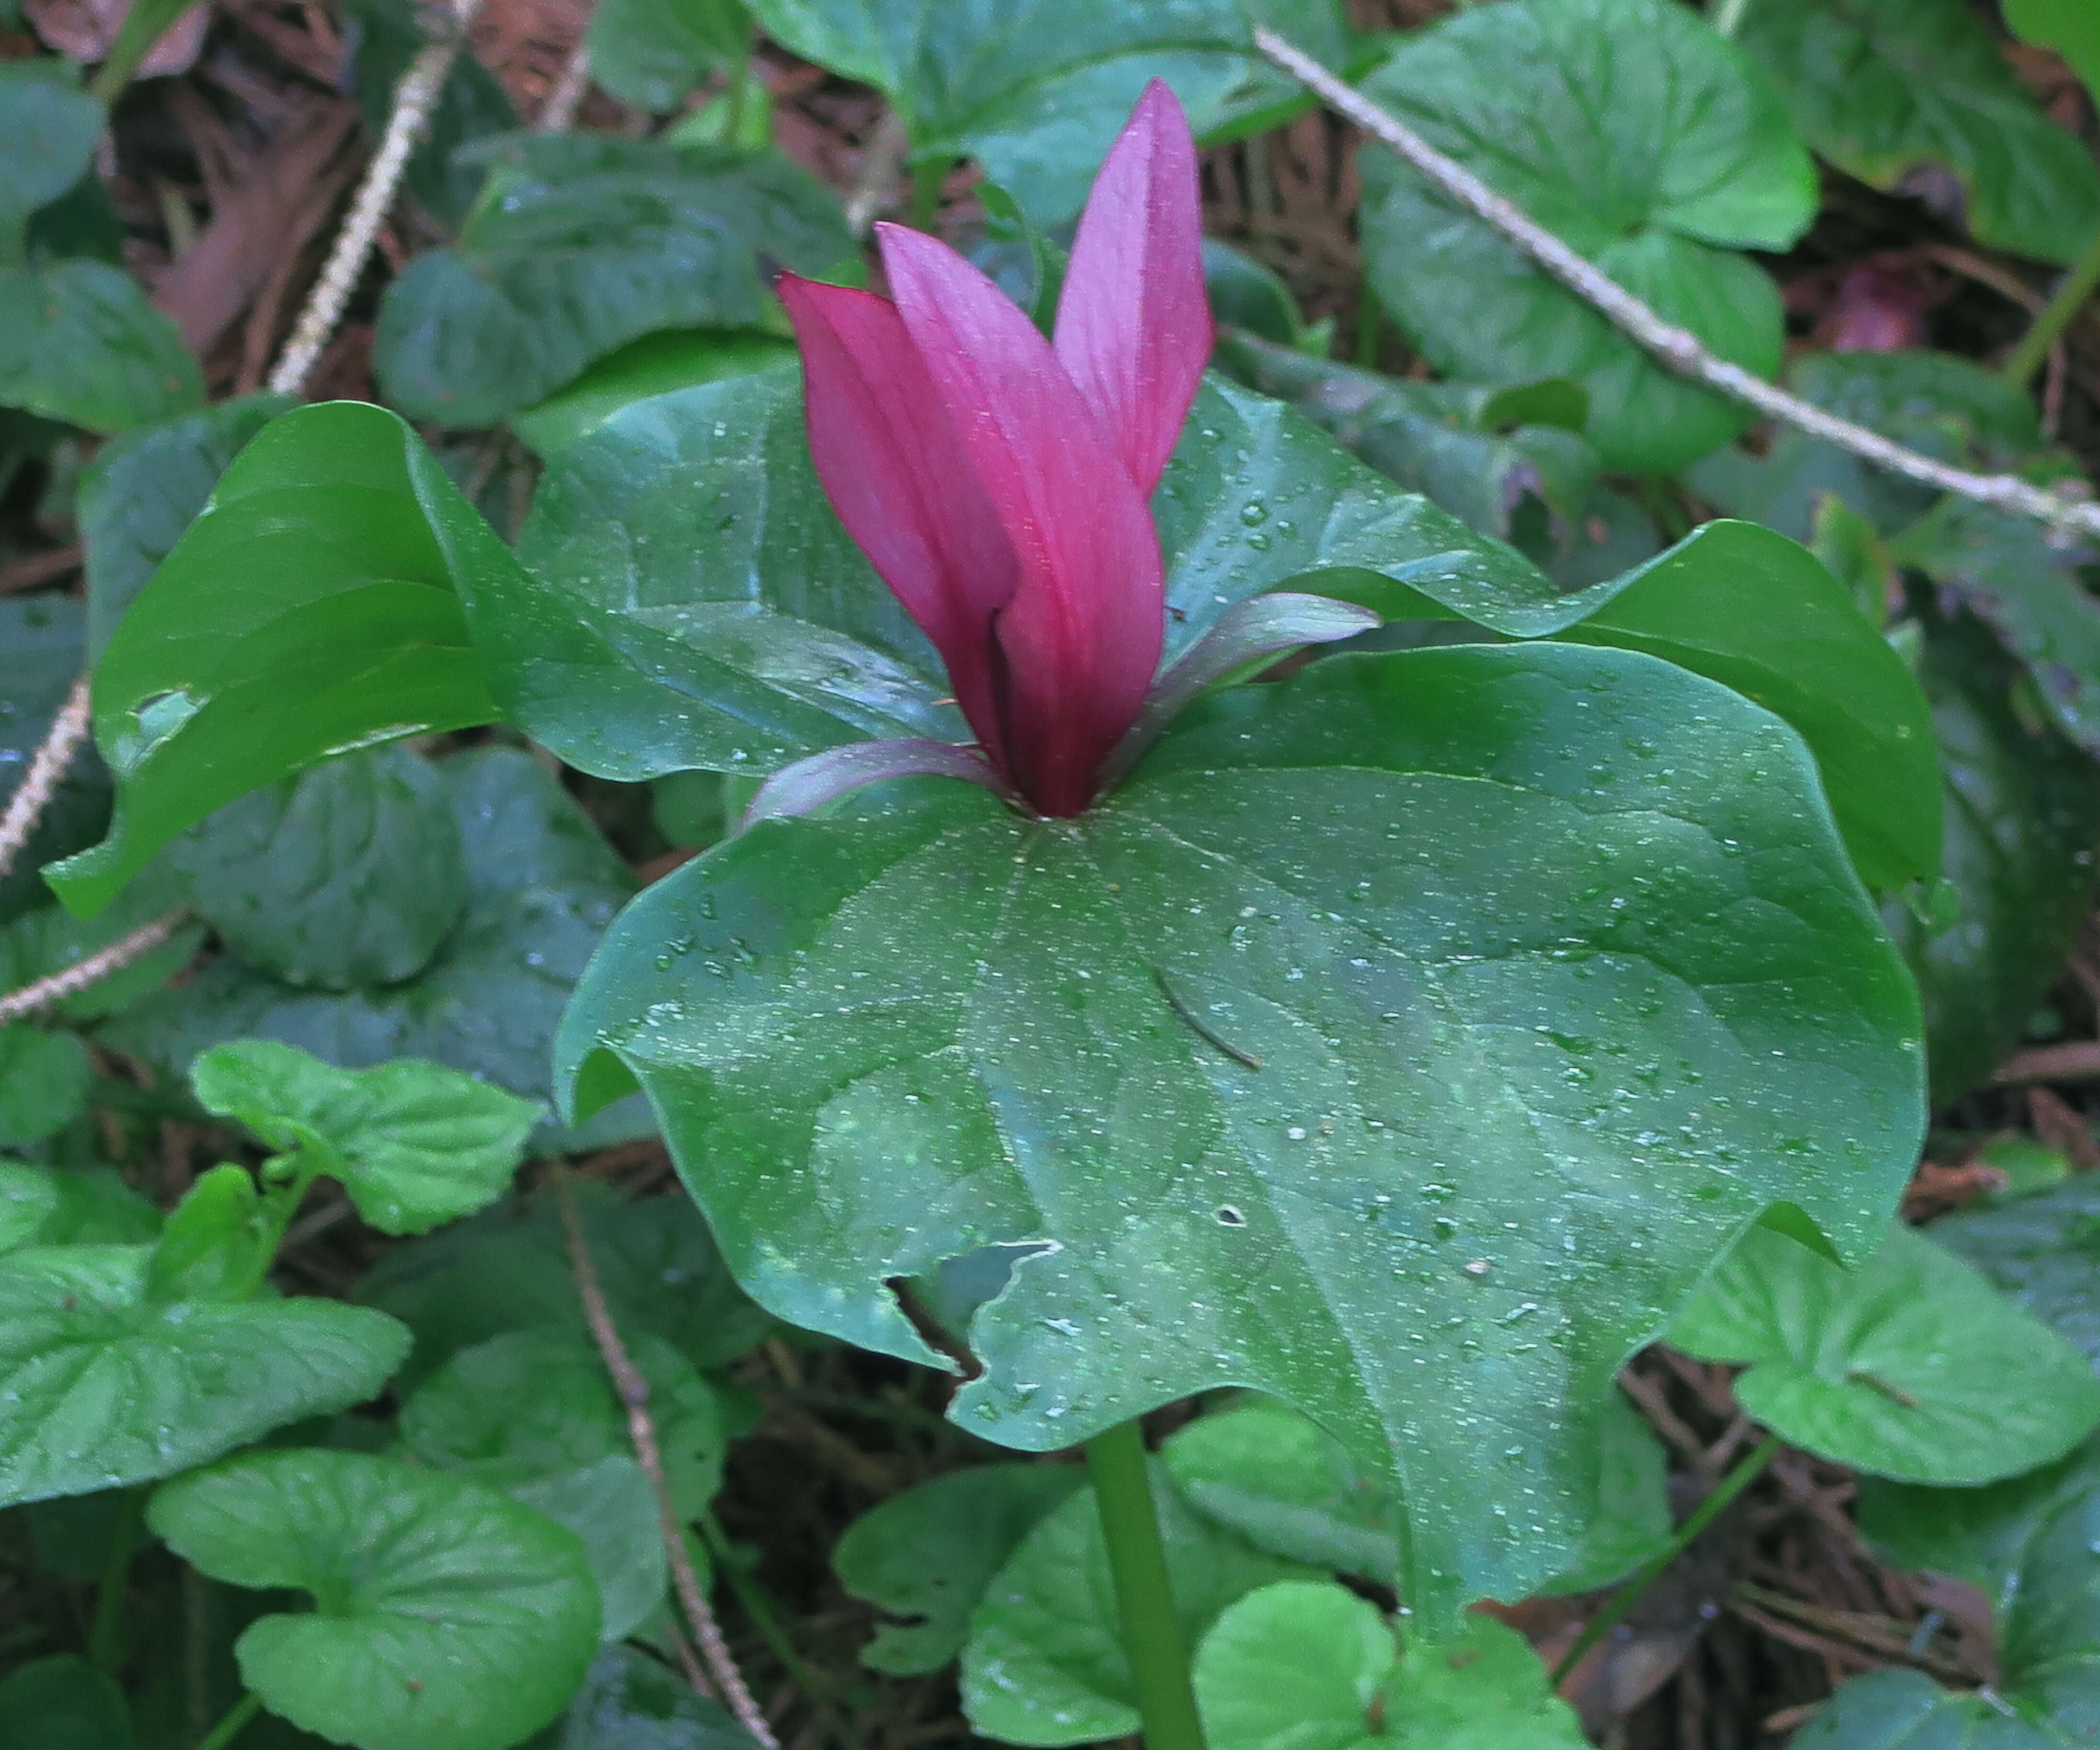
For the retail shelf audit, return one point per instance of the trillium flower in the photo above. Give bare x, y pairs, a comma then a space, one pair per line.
999, 481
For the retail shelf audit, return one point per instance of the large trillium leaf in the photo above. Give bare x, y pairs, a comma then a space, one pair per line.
1036, 92
1888, 89
446, 1617
308, 611
583, 242
1641, 138
1554, 975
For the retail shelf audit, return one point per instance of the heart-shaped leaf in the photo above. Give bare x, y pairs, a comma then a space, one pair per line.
48, 128
1909, 1366
2043, 1250
630, 1702
1306, 1664
611, 1508
63, 1703
101, 1386
542, 885
581, 243
1036, 95
79, 342
349, 873
1646, 144
44, 1079
143, 490
653, 53
1892, 91
539, 1403
654, 365
217, 1245
1045, 1664
928, 1554
1443, 933
446, 1616
414, 1144
308, 611
2033, 1546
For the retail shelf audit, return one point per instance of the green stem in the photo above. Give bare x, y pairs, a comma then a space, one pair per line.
105, 1650
144, 25
733, 116
1367, 329
1144, 1595
1728, 15
927, 177
1708, 1510
756, 1606
2056, 316
231, 1727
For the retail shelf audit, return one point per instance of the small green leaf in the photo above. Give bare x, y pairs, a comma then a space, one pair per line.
1910, 1366
508, 1268
44, 1079
2044, 1251
611, 1508
654, 365
1246, 293
1044, 1665
1888, 90
630, 1702
58, 1206
42, 647
536, 1403
2032, 1545
413, 1144
79, 342
48, 128
581, 243
654, 53
142, 491
1410, 887
1308, 1666
308, 611
1287, 1486
217, 1245
1642, 139
349, 873
1036, 95
926, 1555
446, 1616
62, 1704
101, 1386
543, 884
2070, 27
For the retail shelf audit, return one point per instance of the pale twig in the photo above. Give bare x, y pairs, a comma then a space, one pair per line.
567, 95
47, 769
874, 189
15, 1004
413, 100
633, 1391
1678, 348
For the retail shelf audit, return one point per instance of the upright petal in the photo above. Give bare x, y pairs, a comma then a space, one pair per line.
1082, 636
902, 483
1134, 327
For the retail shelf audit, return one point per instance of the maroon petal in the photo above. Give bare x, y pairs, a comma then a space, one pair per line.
1080, 638
902, 483
1134, 327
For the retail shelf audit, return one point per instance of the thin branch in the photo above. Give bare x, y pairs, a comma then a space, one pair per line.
413, 100
633, 1391
566, 96
97, 966
2075, 1061
1679, 349
874, 189
47, 769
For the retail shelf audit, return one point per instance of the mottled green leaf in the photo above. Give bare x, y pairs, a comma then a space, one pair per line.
43, 1083
80, 343
611, 1507
2044, 1250
48, 128
58, 1206
581, 243
1896, 91
652, 53
1910, 1365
